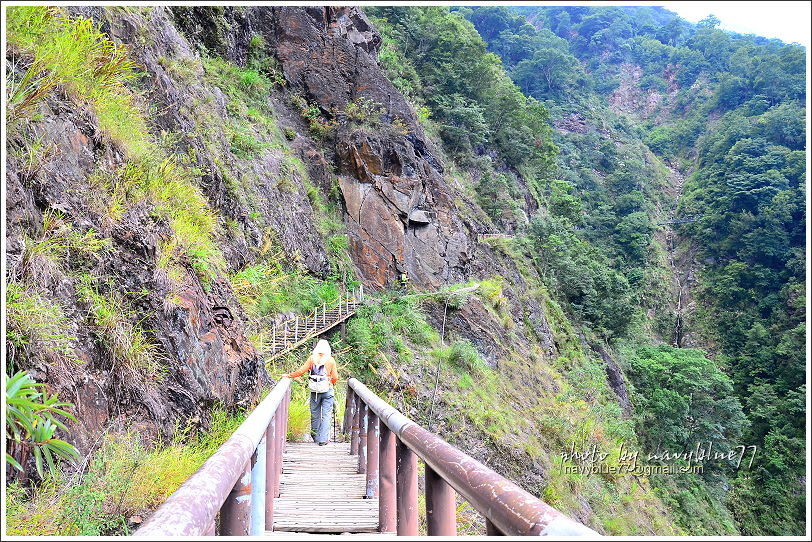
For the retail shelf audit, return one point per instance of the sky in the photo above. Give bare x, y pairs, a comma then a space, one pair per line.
787, 21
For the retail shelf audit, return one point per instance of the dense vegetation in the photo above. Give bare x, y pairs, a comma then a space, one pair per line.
587, 213
730, 112
524, 105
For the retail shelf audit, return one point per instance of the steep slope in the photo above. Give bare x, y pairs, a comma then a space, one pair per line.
276, 166
707, 102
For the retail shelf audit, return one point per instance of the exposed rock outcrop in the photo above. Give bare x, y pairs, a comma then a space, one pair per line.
203, 360
402, 214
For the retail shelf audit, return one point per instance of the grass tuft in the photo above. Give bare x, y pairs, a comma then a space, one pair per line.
75, 54
195, 225
35, 326
127, 342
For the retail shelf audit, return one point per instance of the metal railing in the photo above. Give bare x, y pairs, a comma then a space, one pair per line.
388, 445
290, 333
239, 481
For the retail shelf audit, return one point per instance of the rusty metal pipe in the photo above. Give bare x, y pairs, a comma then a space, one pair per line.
363, 420
346, 423
235, 515
406, 475
441, 506
514, 511
190, 510
373, 435
387, 499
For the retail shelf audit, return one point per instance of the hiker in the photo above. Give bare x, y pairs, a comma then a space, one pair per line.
323, 376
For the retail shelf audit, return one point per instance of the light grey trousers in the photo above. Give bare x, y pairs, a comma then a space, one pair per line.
321, 412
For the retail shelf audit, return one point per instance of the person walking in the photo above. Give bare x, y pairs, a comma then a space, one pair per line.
322, 379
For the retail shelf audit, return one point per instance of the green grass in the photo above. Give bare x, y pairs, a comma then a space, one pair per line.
529, 405
36, 327
124, 340
124, 479
298, 416
382, 327
266, 288
59, 245
461, 355
244, 145
75, 54
244, 84
195, 226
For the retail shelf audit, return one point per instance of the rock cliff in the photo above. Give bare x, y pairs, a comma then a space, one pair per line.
402, 213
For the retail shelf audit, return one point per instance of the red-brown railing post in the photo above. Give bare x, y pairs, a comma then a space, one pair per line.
270, 472
356, 423
280, 430
441, 506
406, 490
348, 411
363, 422
372, 455
235, 515
387, 503
228, 483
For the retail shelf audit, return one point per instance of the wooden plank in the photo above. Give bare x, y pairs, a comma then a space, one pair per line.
294, 534
322, 492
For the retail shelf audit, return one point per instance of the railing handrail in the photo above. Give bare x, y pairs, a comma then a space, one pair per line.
191, 509
337, 302
510, 508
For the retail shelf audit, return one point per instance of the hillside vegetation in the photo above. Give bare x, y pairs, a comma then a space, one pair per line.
180, 179
727, 111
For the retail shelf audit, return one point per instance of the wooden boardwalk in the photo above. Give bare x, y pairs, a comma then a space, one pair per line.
290, 334
321, 492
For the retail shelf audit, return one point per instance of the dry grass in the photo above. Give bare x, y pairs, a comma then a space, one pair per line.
124, 479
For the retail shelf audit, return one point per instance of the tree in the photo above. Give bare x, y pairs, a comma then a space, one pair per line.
683, 398
711, 21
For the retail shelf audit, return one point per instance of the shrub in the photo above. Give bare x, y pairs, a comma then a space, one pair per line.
364, 111
245, 145
265, 288
32, 418
464, 355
